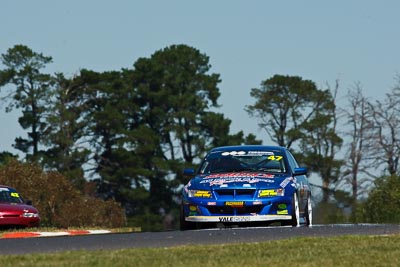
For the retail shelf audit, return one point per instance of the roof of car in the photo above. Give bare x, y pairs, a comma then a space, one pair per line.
248, 147
6, 186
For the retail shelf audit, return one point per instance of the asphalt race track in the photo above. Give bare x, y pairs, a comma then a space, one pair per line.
179, 238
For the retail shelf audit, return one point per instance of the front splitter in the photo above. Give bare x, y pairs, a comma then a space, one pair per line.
222, 218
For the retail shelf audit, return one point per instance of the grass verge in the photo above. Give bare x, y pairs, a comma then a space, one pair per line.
334, 251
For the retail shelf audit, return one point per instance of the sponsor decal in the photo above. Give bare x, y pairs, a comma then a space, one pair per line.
201, 193
257, 202
235, 204
14, 194
240, 175
192, 208
282, 206
222, 181
286, 182
282, 212
268, 193
211, 203
233, 153
249, 178
234, 219
247, 153
259, 153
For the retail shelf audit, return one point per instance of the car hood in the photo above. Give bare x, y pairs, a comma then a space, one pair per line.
237, 180
15, 207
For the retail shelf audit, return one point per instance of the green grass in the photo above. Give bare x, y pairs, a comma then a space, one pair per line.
335, 251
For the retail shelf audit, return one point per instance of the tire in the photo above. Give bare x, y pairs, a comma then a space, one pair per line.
309, 215
184, 225
295, 222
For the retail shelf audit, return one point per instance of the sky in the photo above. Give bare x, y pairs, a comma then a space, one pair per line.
353, 41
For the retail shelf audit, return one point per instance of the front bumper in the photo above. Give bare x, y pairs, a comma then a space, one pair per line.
238, 219
18, 220
237, 210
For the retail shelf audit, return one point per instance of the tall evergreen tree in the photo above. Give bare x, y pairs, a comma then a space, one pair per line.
30, 92
176, 93
66, 150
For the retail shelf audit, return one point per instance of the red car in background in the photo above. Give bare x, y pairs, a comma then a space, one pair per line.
14, 212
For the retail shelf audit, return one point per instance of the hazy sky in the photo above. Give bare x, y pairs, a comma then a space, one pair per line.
247, 42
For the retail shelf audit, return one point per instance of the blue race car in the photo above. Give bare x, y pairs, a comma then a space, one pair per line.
241, 185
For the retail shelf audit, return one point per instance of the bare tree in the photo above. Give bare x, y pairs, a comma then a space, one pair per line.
386, 120
358, 117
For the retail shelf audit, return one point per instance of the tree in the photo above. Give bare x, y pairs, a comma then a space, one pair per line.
66, 151
358, 117
320, 142
176, 93
103, 111
284, 104
6, 157
217, 128
31, 93
386, 131
293, 110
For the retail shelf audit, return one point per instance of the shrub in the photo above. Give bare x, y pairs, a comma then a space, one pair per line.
383, 203
59, 203
328, 213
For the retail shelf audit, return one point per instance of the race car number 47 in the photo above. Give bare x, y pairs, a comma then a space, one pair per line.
234, 219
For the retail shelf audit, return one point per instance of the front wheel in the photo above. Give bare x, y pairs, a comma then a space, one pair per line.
295, 211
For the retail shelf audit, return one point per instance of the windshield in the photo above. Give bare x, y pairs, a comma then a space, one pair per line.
237, 161
8, 195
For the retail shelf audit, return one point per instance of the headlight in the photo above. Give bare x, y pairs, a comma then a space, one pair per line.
271, 192
199, 193
30, 215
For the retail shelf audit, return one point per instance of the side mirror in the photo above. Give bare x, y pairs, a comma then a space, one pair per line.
28, 202
188, 172
300, 171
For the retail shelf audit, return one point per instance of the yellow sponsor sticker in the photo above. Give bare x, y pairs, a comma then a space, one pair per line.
282, 212
268, 193
201, 193
234, 203
14, 194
